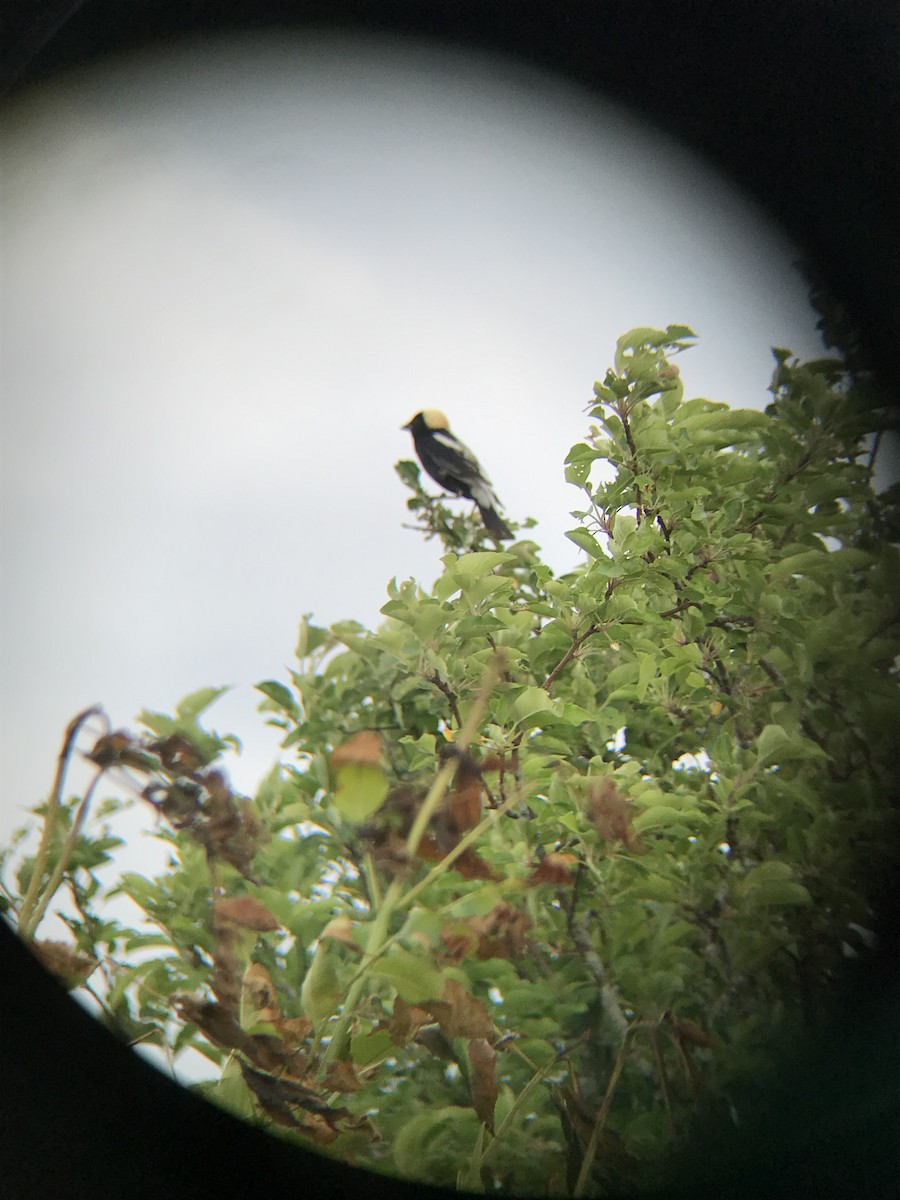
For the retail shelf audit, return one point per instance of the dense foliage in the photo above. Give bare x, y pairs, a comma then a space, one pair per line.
549, 862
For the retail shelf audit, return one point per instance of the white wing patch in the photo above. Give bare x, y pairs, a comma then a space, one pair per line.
453, 443
483, 495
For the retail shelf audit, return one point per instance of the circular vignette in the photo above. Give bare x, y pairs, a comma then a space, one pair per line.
745, 88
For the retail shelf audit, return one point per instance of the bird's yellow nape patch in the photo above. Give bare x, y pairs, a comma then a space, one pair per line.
435, 419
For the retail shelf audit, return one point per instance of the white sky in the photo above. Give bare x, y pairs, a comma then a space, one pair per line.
233, 270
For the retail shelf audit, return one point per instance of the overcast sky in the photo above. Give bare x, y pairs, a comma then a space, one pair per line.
234, 269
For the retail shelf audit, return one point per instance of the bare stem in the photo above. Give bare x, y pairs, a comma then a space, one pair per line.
28, 917
578, 641
596, 1133
445, 688
52, 885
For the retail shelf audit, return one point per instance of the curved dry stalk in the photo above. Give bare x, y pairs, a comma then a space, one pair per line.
29, 917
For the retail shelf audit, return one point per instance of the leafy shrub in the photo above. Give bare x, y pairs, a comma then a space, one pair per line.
550, 863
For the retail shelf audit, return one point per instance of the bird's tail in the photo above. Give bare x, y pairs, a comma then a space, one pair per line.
494, 523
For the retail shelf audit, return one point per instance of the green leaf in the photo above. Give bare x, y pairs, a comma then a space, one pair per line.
574, 714
429, 618
370, 1047
361, 790
663, 817
799, 564
780, 892
773, 883
654, 438
730, 425
776, 745
426, 1133
278, 693
309, 638
530, 700
415, 977
321, 990
679, 333
195, 703
586, 541
478, 563
648, 668
654, 887
476, 903
624, 673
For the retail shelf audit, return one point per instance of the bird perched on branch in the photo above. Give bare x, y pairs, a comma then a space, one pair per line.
453, 465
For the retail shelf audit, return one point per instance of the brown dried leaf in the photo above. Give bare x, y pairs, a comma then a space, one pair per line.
462, 805
319, 1131
215, 1022
179, 802
227, 979
177, 754
281, 1097
459, 941
483, 1086
501, 932
229, 828
553, 868
405, 1020
362, 1125
64, 961
429, 850
364, 747
461, 1015
342, 1077
434, 1041
268, 1053
121, 747
581, 1116
579, 1120
472, 866
689, 1031
260, 990
293, 1030
495, 762
245, 911
220, 798
340, 929
385, 834
611, 813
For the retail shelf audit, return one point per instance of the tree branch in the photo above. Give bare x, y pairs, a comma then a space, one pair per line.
444, 687
577, 642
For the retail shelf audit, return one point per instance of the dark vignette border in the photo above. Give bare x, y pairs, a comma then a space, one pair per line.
799, 105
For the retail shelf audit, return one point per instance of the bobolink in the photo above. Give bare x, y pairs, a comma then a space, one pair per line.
455, 467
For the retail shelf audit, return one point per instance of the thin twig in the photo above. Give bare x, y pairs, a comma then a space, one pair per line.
663, 1076
633, 465
517, 1105
596, 1133
445, 688
577, 642
876, 445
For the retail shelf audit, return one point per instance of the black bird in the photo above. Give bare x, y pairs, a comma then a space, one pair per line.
453, 465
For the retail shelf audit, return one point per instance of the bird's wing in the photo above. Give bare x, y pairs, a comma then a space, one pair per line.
454, 457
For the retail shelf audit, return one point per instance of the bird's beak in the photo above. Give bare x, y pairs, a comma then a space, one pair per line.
407, 425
